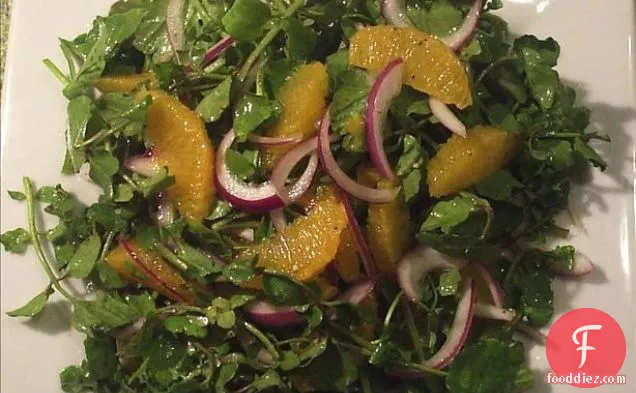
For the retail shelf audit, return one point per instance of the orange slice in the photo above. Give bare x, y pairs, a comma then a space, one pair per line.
303, 98
430, 66
180, 142
463, 162
125, 83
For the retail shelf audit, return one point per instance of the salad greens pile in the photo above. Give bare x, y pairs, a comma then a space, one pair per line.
139, 341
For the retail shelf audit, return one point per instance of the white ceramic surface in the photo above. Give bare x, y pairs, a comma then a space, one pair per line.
599, 59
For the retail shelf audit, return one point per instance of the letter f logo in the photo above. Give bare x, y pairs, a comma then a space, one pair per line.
583, 344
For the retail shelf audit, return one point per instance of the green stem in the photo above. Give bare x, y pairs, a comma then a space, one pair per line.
269, 37
37, 244
415, 334
211, 359
492, 66
109, 241
488, 224
391, 310
426, 369
171, 257
99, 136
511, 271
352, 336
59, 75
263, 339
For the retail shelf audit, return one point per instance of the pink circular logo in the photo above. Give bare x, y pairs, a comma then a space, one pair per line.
586, 348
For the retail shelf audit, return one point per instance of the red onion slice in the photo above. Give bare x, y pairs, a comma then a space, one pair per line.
417, 263
582, 266
446, 117
457, 39
387, 86
456, 336
266, 140
286, 165
532, 332
496, 291
217, 50
363, 248
488, 311
394, 11
143, 165
352, 187
359, 292
278, 219
175, 24
253, 198
265, 314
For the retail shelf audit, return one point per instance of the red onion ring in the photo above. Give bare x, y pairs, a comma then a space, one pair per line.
352, 187
394, 11
363, 248
582, 266
496, 291
359, 292
217, 50
461, 36
488, 311
417, 263
175, 24
265, 314
266, 140
386, 87
253, 198
143, 165
278, 219
446, 117
286, 165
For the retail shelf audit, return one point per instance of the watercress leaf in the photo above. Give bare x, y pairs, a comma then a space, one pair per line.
589, 153
537, 52
123, 193
16, 240
215, 102
195, 326
490, 365
124, 112
245, 19
226, 319
101, 356
448, 214
461, 246
226, 374
108, 310
34, 306
282, 290
449, 282
411, 184
17, 195
498, 186
74, 379
150, 186
270, 379
240, 270
237, 301
337, 63
276, 72
350, 99
104, 165
79, 111
251, 112
410, 165
558, 153
440, 19
543, 83
524, 380
164, 353
108, 277
108, 216
83, 261
536, 296
60, 202
289, 360
239, 165
301, 40
200, 264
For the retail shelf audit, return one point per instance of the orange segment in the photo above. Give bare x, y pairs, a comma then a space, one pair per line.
306, 246
303, 100
347, 262
180, 142
125, 83
463, 162
388, 231
149, 269
430, 66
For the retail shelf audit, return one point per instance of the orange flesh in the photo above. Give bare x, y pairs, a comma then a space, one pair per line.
125, 83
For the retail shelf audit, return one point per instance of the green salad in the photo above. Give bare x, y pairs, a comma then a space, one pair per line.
309, 196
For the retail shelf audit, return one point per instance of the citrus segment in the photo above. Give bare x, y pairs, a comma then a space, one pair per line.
347, 262
149, 269
180, 142
304, 248
463, 162
303, 100
430, 66
125, 83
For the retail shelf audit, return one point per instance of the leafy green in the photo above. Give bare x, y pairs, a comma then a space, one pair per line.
410, 166
350, 99
246, 19
448, 214
80, 109
537, 298
17, 195
16, 241
449, 282
498, 186
282, 290
34, 306
83, 261
194, 326
440, 19
301, 40
215, 102
251, 112
104, 165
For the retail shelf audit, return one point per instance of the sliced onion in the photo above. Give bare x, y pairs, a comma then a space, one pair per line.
582, 266
274, 141
246, 234
361, 244
253, 198
532, 332
488, 311
175, 24
278, 219
131, 250
165, 211
446, 117
456, 336
349, 185
266, 314
387, 86
417, 263
143, 165
217, 50
496, 291
456, 40
359, 292
286, 165
394, 11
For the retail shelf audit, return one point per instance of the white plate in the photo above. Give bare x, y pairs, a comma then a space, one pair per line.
599, 59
